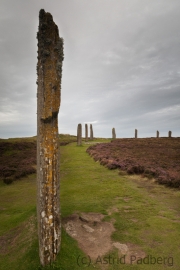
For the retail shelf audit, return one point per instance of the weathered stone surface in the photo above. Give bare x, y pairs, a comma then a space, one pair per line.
136, 133
88, 228
122, 247
86, 132
170, 134
113, 133
79, 134
157, 134
49, 70
91, 132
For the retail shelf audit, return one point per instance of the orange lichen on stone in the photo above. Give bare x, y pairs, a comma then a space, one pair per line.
49, 69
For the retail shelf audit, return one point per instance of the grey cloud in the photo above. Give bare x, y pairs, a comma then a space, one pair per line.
121, 66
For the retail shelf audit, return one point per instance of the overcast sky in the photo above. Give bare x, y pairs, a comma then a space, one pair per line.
121, 66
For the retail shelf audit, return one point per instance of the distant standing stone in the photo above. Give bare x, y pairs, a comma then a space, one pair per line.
170, 134
113, 133
79, 134
91, 132
136, 133
86, 132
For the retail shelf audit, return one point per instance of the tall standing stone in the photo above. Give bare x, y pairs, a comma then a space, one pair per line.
169, 134
79, 134
136, 133
49, 71
157, 134
113, 133
86, 132
91, 132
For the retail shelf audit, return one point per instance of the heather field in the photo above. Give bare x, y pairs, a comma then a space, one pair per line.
18, 156
157, 158
17, 159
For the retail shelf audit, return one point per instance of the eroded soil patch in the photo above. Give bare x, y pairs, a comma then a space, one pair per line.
94, 237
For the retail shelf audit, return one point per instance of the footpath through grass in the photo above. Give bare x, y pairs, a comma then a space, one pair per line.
144, 214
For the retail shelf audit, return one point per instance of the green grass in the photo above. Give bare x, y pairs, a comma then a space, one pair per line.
17, 202
145, 214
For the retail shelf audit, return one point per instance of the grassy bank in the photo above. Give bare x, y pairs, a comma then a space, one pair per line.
144, 214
